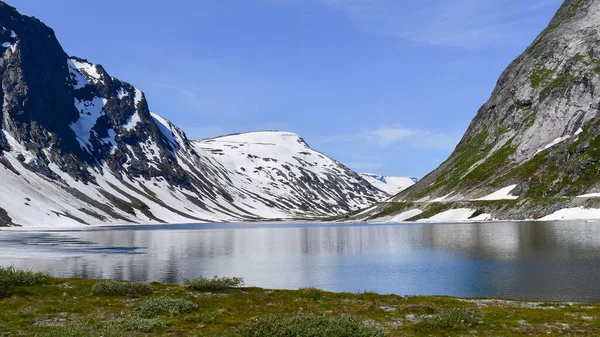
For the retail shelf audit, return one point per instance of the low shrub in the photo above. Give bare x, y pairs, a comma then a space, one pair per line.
114, 328
72, 331
5, 288
204, 318
307, 326
11, 276
157, 306
311, 294
213, 284
448, 318
21, 277
121, 288
423, 308
134, 324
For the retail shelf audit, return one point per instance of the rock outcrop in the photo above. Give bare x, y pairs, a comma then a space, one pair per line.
540, 130
77, 145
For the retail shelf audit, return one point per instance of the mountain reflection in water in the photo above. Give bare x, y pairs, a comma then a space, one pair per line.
524, 260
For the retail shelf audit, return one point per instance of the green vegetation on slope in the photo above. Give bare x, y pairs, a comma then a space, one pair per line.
472, 165
540, 75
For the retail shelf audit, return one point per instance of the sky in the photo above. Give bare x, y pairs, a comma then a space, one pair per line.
383, 86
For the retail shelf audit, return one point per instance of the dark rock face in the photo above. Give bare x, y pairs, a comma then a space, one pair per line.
540, 128
69, 128
36, 96
39, 85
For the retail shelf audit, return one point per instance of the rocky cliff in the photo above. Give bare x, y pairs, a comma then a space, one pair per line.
537, 138
77, 146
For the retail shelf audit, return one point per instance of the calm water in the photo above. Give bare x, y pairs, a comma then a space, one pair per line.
532, 261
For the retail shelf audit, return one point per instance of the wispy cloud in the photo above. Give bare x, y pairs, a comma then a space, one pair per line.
397, 135
387, 136
456, 23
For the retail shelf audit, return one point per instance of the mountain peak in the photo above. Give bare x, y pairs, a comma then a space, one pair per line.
537, 138
79, 146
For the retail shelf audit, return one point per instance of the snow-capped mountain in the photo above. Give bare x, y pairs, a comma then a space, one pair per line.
280, 169
389, 184
80, 146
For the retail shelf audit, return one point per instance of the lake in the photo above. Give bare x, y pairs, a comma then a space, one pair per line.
520, 260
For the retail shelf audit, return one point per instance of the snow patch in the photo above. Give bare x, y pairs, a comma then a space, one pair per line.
501, 194
138, 96
13, 34
89, 70
89, 112
80, 80
589, 195
400, 217
442, 199
447, 198
166, 128
577, 213
458, 214
121, 93
388, 184
552, 143
19, 149
132, 122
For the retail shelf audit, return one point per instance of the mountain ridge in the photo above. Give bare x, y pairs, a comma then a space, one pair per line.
538, 131
79, 146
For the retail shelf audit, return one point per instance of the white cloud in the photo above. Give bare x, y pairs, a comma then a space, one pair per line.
387, 136
397, 135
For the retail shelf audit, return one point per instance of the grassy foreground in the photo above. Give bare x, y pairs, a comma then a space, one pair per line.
36, 305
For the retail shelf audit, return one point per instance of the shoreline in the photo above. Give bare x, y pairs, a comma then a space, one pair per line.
316, 223
59, 305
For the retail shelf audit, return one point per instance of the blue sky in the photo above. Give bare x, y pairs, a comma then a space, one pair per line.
384, 86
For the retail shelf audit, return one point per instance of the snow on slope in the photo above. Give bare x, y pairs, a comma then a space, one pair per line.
283, 172
388, 184
267, 175
104, 157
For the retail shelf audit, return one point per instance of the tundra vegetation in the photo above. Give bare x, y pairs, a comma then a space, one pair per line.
35, 304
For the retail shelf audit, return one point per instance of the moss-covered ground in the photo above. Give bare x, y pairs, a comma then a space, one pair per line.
71, 307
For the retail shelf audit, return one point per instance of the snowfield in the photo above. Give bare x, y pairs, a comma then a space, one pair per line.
388, 184
264, 175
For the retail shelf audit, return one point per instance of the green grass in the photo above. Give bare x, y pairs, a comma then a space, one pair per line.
112, 328
22, 277
213, 284
66, 307
313, 294
5, 288
540, 75
11, 277
134, 323
562, 81
121, 288
448, 319
158, 306
577, 5
307, 326
393, 208
468, 152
